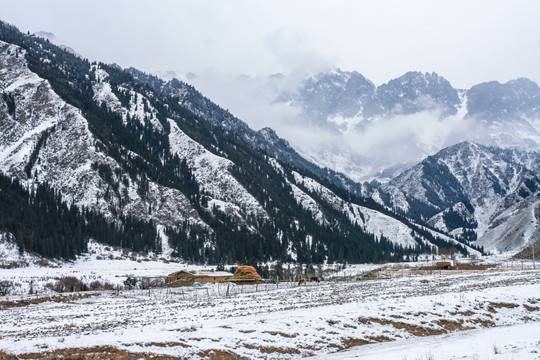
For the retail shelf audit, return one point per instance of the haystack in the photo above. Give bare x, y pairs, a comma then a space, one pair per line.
443, 265
246, 274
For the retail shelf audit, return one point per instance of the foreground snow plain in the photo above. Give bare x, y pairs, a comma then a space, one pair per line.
404, 314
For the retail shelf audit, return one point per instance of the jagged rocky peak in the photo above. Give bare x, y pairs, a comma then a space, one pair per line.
495, 101
416, 91
338, 93
358, 98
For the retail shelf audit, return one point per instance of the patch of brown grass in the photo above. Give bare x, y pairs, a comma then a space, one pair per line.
220, 355
499, 305
483, 322
411, 328
272, 349
4, 356
280, 333
164, 344
531, 308
352, 342
57, 299
450, 325
91, 353
380, 338
493, 306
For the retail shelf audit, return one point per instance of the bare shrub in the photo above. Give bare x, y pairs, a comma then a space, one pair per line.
67, 284
6, 287
98, 285
13, 264
44, 263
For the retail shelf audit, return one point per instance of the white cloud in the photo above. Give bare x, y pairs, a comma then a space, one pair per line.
467, 42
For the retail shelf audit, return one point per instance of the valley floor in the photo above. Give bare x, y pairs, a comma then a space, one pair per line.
441, 315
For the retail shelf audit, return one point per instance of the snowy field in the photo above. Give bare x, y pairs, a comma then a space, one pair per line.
403, 314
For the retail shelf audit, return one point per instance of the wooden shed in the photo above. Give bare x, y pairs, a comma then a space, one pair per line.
188, 277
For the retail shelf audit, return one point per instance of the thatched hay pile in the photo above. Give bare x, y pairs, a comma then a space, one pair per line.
246, 273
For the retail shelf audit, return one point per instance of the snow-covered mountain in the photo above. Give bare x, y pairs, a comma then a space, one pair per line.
380, 133
516, 222
409, 118
342, 121
472, 191
265, 139
45, 139
158, 152
464, 189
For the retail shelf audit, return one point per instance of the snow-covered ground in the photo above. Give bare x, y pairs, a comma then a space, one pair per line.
505, 343
404, 315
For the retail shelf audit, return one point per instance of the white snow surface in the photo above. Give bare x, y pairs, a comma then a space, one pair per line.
404, 315
505, 342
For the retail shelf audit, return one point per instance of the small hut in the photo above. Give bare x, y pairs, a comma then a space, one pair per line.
188, 277
245, 275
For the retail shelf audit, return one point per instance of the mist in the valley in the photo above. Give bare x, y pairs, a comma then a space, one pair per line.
362, 149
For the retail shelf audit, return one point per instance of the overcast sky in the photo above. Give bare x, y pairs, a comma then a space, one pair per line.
467, 42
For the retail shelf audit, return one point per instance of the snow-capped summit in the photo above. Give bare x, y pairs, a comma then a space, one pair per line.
515, 100
415, 92
337, 94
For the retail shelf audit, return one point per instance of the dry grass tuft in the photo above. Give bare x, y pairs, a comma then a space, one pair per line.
352, 342
272, 349
91, 353
280, 333
220, 355
411, 328
450, 325
499, 305
58, 299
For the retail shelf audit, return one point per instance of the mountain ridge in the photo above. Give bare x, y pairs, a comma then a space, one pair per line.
208, 191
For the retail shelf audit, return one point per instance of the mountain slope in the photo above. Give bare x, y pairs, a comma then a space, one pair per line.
464, 188
265, 139
516, 222
118, 146
48, 140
